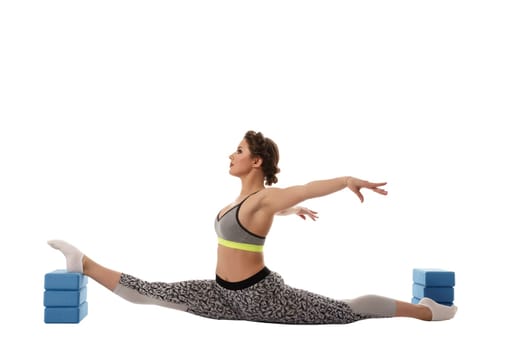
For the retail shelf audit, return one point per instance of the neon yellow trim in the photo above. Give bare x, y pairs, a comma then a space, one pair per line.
242, 246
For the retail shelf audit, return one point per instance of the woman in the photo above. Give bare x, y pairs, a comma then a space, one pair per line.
244, 288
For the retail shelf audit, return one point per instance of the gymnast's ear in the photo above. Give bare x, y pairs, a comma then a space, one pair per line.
257, 162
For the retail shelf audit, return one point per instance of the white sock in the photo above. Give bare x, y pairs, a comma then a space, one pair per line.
72, 254
440, 312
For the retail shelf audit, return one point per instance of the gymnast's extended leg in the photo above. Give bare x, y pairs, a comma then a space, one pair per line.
199, 297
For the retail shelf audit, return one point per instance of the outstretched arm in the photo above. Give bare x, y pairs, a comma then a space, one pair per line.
277, 199
302, 212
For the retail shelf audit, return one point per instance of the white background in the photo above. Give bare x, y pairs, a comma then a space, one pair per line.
117, 118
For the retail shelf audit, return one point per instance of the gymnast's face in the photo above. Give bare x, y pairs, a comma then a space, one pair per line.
241, 161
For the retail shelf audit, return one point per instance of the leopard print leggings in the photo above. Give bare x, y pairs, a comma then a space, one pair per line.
269, 300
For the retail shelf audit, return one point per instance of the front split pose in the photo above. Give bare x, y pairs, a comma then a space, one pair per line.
244, 288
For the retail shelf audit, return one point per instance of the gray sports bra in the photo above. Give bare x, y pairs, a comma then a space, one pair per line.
232, 234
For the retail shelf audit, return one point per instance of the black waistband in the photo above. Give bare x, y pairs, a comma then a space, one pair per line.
250, 281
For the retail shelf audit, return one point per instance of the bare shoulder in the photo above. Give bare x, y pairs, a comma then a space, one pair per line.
268, 194
261, 199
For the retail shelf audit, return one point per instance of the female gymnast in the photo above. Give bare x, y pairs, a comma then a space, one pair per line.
244, 288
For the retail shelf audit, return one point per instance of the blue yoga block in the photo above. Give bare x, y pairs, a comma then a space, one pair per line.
66, 314
439, 294
63, 280
63, 298
416, 301
434, 277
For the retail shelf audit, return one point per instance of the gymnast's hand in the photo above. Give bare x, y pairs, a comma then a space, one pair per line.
302, 212
355, 185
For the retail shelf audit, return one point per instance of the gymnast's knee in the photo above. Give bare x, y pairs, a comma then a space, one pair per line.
373, 305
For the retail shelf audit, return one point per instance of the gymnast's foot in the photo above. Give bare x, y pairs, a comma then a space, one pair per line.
72, 254
439, 312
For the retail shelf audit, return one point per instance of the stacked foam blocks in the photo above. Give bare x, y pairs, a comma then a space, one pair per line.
65, 297
436, 284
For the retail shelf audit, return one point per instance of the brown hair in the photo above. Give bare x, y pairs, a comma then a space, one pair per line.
265, 148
